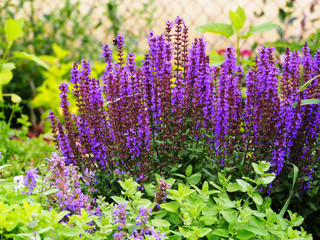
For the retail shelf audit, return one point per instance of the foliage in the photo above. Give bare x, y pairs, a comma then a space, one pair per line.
57, 71
71, 24
13, 31
177, 109
231, 210
20, 151
238, 19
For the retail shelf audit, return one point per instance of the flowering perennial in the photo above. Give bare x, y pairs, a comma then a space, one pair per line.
139, 120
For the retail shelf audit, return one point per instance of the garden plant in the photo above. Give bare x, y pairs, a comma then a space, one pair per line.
173, 149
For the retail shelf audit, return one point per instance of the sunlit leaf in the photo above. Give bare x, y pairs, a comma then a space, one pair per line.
223, 29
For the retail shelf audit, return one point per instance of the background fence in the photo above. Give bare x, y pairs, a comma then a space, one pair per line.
135, 18
303, 20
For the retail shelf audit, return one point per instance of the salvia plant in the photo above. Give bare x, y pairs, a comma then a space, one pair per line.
177, 109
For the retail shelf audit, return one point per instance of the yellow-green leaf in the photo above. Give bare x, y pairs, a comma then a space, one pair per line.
15, 98
5, 77
13, 30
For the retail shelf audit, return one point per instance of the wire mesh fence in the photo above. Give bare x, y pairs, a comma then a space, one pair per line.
135, 18
302, 17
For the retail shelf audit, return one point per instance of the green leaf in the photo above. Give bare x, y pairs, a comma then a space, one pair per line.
304, 86
160, 223
15, 98
307, 102
70, 232
257, 199
31, 57
223, 29
268, 180
264, 27
170, 206
204, 232
266, 204
59, 52
225, 202
233, 187
51, 191
282, 15
188, 171
13, 30
194, 179
4, 166
5, 77
174, 218
245, 186
8, 184
119, 199
8, 66
149, 189
61, 215
221, 232
229, 216
236, 20
245, 234
215, 58
240, 11
258, 169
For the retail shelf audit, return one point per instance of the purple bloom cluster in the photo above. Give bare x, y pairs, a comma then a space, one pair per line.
67, 180
121, 215
138, 120
30, 180
160, 193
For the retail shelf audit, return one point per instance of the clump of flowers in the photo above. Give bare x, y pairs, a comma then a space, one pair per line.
141, 120
160, 193
121, 215
67, 180
30, 180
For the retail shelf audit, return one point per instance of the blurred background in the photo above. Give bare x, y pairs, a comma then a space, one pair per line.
60, 32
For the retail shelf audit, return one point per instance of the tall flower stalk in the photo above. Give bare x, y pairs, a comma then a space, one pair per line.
135, 121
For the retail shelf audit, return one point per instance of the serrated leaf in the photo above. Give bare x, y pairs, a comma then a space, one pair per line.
204, 232
221, 232
5, 77
257, 199
119, 199
170, 206
264, 27
223, 29
233, 187
13, 30
229, 216
194, 179
31, 57
160, 223
61, 215
245, 234
225, 202
149, 189
244, 185
258, 169
268, 180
